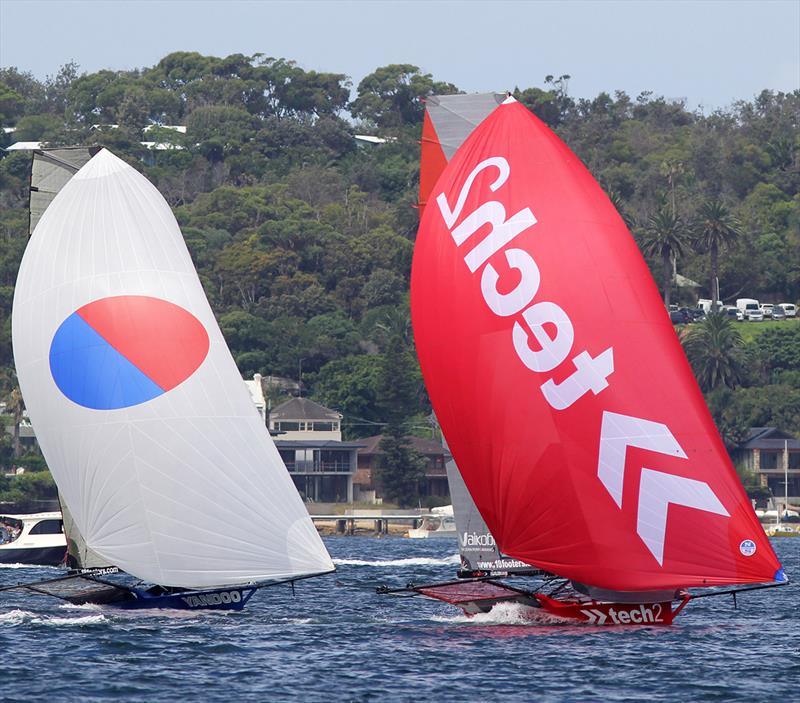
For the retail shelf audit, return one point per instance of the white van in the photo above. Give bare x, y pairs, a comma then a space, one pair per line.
750, 309
789, 308
705, 305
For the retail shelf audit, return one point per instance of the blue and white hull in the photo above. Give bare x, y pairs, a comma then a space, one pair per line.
211, 599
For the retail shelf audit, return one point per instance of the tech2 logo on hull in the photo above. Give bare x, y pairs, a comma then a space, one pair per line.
636, 615
204, 600
596, 613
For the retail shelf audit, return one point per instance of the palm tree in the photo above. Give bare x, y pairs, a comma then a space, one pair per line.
715, 229
716, 352
672, 168
665, 238
15, 407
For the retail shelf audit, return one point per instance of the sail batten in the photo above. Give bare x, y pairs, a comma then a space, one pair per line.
558, 380
140, 411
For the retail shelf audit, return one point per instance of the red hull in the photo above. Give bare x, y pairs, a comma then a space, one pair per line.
599, 613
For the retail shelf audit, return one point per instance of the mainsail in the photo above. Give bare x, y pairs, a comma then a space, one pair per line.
448, 121
51, 169
161, 457
79, 555
476, 545
559, 382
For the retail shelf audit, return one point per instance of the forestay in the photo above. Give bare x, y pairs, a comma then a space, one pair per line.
559, 382
156, 447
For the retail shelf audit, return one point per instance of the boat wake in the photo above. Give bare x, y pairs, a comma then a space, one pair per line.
505, 614
21, 617
453, 559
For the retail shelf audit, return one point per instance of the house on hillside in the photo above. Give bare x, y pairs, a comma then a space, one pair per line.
768, 452
309, 439
369, 457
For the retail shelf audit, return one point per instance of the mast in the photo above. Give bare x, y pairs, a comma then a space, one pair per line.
785, 476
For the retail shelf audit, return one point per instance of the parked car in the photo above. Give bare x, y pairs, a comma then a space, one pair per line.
734, 313
754, 315
789, 308
778, 313
766, 308
680, 317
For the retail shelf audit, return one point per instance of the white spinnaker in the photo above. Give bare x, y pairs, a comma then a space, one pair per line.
183, 490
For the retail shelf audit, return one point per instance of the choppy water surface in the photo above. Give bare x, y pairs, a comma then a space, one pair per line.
335, 640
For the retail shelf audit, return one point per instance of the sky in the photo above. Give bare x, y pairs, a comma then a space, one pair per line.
709, 52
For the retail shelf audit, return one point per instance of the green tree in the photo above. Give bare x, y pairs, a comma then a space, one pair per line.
716, 352
350, 384
392, 96
778, 349
401, 468
15, 406
665, 238
715, 229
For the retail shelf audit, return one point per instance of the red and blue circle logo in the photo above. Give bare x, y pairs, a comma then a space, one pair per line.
125, 350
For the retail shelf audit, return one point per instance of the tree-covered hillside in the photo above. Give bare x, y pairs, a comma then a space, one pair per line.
303, 235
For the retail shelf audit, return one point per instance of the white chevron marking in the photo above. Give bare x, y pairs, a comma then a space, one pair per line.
657, 490
617, 433
595, 616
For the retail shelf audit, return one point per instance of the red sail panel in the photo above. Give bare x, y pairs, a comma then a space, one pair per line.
432, 161
559, 382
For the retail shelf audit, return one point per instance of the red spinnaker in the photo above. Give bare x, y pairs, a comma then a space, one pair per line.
432, 161
558, 379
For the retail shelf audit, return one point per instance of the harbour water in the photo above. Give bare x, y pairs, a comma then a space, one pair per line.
336, 640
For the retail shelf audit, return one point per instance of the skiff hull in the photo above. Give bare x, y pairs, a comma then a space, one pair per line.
214, 599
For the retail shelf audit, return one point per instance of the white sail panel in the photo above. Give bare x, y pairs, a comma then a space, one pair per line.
185, 488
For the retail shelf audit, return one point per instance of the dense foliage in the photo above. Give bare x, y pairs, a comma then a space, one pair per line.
303, 235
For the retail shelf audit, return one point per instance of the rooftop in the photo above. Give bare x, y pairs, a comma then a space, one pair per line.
768, 438
315, 444
303, 409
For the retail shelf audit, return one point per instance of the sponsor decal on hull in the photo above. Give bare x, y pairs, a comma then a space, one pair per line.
596, 613
204, 600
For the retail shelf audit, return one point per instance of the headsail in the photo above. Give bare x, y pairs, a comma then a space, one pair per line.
164, 462
558, 379
448, 121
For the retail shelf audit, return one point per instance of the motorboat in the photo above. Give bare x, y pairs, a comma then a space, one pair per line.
37, 539
440, 523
